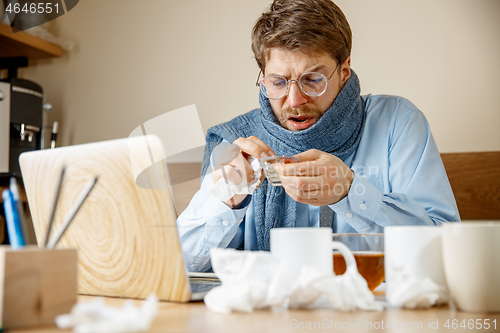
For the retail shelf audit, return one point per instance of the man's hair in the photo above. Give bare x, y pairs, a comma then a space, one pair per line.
307, 25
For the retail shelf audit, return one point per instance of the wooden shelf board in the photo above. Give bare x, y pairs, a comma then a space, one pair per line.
22, 44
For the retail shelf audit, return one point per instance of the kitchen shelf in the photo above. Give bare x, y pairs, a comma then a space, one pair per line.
22, 44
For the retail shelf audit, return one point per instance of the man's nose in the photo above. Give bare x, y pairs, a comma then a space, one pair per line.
295, 97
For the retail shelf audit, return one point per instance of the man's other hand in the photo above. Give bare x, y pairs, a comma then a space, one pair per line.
233, 164
319, 179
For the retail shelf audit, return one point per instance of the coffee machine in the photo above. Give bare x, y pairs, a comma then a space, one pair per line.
21, 116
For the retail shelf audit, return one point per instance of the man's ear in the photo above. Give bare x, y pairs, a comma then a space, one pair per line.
345, 70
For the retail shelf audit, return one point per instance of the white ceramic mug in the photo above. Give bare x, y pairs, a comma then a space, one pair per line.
471, 252
414, 250
297, 247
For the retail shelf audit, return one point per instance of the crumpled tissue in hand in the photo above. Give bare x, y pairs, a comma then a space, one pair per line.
407, 291
96, 316
251, 280
225, 189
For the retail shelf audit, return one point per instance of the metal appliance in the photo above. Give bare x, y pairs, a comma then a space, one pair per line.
21, 116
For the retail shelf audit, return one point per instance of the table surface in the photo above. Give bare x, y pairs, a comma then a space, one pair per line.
195, 317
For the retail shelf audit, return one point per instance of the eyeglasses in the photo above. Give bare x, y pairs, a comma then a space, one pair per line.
311, 83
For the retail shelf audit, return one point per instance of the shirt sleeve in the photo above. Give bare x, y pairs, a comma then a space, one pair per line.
419, 192
206, 223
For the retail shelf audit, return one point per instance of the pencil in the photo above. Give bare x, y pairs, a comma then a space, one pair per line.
14, 230
54, 206
83, 195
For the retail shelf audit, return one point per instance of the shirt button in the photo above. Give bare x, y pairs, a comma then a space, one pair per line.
240, 220
225, 223
362, 206
349, 215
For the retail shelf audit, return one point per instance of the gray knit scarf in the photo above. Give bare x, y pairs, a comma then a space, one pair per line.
337, 132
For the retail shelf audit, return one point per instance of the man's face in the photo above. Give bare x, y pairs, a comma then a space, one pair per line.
296, 111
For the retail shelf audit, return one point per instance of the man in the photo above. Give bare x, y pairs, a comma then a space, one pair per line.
365, 162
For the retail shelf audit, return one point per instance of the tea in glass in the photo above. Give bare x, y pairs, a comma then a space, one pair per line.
368, 251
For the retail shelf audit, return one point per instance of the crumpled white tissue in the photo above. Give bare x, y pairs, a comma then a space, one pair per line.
250, 280
225, 189
407, 291
96, 316
245, 277
346, 292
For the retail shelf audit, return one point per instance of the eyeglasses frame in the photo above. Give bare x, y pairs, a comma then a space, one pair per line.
259, 83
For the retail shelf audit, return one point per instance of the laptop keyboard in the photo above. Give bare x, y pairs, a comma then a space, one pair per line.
199, 287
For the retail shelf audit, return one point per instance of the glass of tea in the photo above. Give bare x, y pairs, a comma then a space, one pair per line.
368, 251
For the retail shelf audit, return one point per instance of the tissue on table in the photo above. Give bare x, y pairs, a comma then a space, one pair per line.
96, 316
346, 292
245, 278
250, 280
407, 291
225, 189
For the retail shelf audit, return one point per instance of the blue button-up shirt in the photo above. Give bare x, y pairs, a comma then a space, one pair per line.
399, 180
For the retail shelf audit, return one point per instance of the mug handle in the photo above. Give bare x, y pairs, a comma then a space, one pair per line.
346, 253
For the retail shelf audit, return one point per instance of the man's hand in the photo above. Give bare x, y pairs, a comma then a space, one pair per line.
319, 179
234, 165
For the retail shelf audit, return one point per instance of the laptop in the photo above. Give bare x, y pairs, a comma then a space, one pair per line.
125, 232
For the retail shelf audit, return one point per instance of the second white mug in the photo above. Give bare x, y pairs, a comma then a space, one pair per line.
413, 253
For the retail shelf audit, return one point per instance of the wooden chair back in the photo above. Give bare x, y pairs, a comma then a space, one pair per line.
475, 180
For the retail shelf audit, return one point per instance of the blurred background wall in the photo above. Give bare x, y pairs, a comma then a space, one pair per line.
135, 60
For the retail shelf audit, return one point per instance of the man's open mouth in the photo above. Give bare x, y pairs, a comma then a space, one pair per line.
301, 122
300, 119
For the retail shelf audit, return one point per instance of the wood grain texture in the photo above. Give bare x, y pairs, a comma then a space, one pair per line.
475, 180
126, 235
36, 285
22, 44
196, 317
